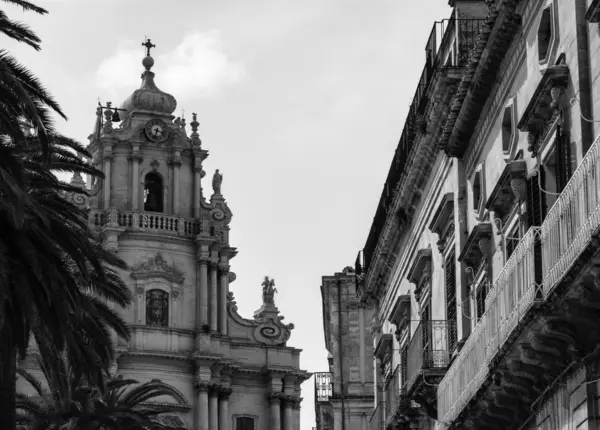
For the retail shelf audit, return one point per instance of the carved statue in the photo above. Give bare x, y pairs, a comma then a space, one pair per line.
217, 181
269, 290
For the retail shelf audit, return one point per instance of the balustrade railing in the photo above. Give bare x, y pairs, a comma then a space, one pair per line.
572, 220
428, 349
376, 422
515, 290
323, 386
541, 260
150, 221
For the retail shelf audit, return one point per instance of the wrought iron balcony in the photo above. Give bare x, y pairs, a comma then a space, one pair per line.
540, 262
515, 291
323, 387
428, 360
398, 406
447, 51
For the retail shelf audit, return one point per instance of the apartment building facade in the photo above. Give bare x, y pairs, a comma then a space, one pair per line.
483, 255
344, 394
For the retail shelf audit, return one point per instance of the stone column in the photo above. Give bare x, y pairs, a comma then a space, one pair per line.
197, 177
202, 301
361, 345
274, 404
288, 419
213, 408
213, 296
224, 418
136, 159
296, 414
108, 156
203, 388
223, 289
176, 167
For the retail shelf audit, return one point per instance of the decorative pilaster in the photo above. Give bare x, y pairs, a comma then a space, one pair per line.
176, 162
107, 157
135, 159
213, 407
203, 388
197, 176
224, 419
275, 406
288, 412
223, 290
139, 301
214, 295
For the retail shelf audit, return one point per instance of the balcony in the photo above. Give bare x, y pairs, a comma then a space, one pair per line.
447, 53
428, 360
323, 387
149, 222
399, 409
549, 267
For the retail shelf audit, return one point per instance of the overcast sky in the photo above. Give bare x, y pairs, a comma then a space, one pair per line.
300, 103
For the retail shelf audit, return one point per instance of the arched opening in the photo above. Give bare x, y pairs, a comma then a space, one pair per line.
153, 193
157, 308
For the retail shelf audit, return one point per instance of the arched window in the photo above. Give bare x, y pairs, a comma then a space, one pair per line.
157, 308
153, 193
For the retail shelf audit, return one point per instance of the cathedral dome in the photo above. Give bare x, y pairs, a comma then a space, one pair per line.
148, 97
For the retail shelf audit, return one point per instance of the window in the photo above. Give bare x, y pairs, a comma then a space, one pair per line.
244, 423
477, 191
157, 308
511, 240
404, 364
450, 269
481, 294
153, 193
545, 35
509, 130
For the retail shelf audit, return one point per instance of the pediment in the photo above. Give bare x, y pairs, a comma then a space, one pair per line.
157, 267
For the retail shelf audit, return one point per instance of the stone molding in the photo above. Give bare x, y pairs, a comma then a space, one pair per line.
157, 267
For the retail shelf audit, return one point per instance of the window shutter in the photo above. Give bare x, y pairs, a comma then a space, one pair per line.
451, 318
536, 200
563, 159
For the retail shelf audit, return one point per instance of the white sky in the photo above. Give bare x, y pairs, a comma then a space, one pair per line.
300, 103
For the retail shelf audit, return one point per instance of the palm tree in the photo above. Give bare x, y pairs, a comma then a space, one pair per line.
71, 402
21, 93
56, 280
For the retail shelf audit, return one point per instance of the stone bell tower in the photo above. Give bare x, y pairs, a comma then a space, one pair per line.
232, 373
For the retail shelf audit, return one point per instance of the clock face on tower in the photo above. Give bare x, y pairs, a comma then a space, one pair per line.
156, 130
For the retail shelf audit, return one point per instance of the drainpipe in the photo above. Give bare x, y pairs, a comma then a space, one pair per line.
341, 350
583, 70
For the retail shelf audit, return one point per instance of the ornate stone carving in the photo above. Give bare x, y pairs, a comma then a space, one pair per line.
154, 164
545, 106
225, 392
269, 290
274, 398
232, 277
157, 266
203, 386
139, 290
217, 181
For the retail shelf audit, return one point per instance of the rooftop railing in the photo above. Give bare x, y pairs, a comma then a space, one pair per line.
449, 46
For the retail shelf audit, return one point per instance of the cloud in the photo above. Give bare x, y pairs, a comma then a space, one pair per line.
199, 65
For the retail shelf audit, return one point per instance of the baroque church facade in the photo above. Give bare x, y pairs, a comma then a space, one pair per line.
231, 373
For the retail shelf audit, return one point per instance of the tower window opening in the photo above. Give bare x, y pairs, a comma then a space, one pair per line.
153, 193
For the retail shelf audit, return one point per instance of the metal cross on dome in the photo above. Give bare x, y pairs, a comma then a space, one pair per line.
148, 46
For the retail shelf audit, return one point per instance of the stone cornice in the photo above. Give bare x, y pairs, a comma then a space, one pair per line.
510, 187
472, 253
501, 26
400, 314
544, 106
384, 346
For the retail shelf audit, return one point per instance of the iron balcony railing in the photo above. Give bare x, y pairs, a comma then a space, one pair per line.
376, 422
449, 45
323, 387
573, 219
516, 289
541, 260
428, 349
